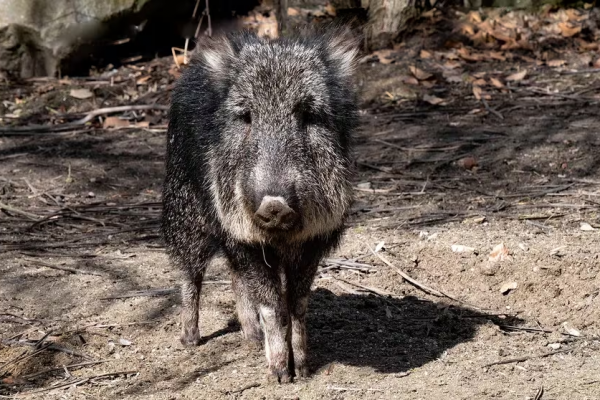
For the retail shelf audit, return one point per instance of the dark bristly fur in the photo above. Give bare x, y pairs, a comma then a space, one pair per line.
250, 118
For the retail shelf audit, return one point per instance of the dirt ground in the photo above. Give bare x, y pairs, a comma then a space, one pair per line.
87, 201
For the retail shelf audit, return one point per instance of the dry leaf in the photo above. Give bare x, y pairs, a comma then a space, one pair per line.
465, 28
433, 99
81, 94
518, 76
496, 55
477, 92
574, 15
464, 53
497, 83
410, 80
330, 10
385, 56
292, 12
474, 16
143, 80
459, 248
450, 64
567, 30
555, 63
419, 73
510, 45
481, 38
586, 46
114, 122
499, 253
570, 330
584, 226
425, 54
454, 78
143, 124
597, 63
467, 162
507, 287
174, 72
480, 82
450, 55
502, 36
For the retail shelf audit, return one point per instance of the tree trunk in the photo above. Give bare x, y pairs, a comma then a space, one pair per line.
282, 18
387, 19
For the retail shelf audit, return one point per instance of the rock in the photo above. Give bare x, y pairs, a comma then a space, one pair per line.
35, 35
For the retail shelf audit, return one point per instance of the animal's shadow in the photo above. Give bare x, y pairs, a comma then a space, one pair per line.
387, 334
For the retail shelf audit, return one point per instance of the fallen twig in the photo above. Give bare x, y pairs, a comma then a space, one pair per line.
63, 268
24, 356
539, 394
524, 328
243, 389
70, 366
370, 289
525, 358
15, 210
491, 110
347, 389
418, 284
77, 381
143, 293
582, 71
48, 346
23, 130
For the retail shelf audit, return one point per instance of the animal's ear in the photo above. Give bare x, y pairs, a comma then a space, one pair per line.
215, 54
343, 49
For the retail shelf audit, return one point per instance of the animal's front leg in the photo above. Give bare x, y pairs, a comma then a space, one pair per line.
276, 327
298, 290
247, 310
257, 276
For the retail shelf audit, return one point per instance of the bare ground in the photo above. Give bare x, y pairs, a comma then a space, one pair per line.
372, 334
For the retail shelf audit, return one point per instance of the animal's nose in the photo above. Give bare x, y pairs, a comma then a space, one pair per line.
274, 213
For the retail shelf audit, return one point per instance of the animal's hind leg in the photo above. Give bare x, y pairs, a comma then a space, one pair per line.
190, 295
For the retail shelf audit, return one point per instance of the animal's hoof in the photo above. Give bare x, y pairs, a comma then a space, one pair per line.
280, 376
302, 371
190, 338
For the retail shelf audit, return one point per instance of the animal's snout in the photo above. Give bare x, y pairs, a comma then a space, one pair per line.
275, 213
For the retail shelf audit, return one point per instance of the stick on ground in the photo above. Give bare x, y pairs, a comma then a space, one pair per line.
525, 358
420, 285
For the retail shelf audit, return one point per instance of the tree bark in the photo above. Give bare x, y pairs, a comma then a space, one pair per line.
387, 19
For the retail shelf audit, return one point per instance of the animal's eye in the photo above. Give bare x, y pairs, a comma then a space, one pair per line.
246, 117
308, 117
305, 113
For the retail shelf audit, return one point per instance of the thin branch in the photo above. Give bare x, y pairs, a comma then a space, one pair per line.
15, 210
525, 358
418, 284
23, 130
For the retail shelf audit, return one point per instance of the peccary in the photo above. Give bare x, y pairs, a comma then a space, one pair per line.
258, 170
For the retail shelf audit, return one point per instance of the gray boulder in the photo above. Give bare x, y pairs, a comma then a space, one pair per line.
35, 35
